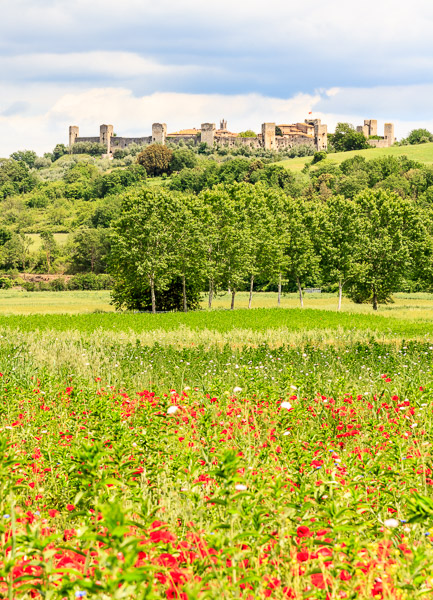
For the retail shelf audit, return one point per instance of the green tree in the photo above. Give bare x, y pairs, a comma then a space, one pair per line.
156, 159
302, 260
419, 136
59, 151
50, 247
88, 250
339, 240
392, 231
183, 158
26, 156
249, 133
229, 239
144, 242
14, 253
15, 178
346, 138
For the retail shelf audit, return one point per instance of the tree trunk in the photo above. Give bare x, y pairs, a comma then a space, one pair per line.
251, 291
340, 293
233, 299
152, 295
279, 290
209, 305
185, 306
374, 298
300, 292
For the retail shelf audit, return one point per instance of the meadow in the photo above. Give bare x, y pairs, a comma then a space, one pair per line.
422, 153
264, 453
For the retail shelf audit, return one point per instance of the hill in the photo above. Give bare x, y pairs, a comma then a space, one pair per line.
421, 152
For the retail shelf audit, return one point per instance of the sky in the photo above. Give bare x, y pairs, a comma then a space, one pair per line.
184, 62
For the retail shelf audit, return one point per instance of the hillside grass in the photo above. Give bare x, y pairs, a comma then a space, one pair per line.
60, 239
422, 153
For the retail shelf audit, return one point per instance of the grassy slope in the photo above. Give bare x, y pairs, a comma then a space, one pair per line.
422, 153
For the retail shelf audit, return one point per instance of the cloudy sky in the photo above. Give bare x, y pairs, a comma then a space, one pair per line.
183, 62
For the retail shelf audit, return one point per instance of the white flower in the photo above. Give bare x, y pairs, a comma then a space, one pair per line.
237, 389
293, 387
240, 487
172, 409
414, 425
286, 433
172, 391
391, 523
286, 405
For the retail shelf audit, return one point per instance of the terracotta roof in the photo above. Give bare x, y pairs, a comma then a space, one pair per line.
186, 132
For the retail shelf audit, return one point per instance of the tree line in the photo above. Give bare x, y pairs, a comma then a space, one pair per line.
230, 235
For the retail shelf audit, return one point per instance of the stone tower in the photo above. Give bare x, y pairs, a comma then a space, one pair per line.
223, 124
363, 129
74, 132
105, 135
159, 133
320, 133
389, 133
268, 136
372, 126
208, 133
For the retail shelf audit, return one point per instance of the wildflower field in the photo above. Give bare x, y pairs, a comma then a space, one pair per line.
246, 454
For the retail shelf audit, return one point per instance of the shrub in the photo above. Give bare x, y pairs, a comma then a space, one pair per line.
5, 283
90, 281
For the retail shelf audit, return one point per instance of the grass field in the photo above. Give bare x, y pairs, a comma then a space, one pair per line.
422, 153
60, 239
405, 306
247, 454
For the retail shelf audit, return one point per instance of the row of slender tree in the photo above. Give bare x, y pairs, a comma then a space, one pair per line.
229, 235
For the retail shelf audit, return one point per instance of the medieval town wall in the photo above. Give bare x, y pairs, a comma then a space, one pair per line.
312, 132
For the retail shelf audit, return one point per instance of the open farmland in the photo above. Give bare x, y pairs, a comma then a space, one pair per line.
235, 454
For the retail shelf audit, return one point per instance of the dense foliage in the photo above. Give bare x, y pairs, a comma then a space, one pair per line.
254, 223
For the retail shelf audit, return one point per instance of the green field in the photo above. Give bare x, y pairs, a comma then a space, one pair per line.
60, 239
422, 153
418, 306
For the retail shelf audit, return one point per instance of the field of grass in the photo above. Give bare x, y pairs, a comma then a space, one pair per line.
60, 239
248, 454
13, 302
422, 153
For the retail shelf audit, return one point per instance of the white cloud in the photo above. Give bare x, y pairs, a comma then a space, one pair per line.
120, 65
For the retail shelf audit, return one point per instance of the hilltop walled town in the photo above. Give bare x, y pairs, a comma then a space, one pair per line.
272, 137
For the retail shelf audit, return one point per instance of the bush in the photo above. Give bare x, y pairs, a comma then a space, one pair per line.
5, 283
419, 136
92, 148
318, 156
135, 295
90, 281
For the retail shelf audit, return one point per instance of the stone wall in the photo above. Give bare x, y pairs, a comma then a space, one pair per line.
209, 135
293, 140
87, 139
124, 142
